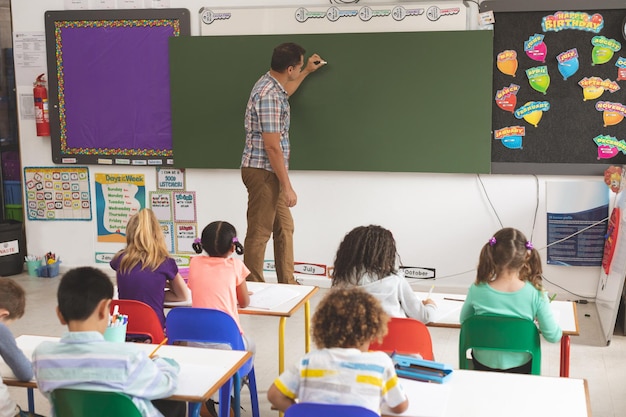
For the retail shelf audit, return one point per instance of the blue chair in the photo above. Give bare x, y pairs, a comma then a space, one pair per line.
205, 325
328, 410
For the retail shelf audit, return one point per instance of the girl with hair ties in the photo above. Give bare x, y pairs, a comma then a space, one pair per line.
508, 283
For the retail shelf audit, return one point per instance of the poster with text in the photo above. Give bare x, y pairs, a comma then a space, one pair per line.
168, 233
185, 206
118, 197
185, 235
161, 205
57, 193
577, 212
170, 179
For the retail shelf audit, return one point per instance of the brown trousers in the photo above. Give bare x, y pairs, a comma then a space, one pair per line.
267, 214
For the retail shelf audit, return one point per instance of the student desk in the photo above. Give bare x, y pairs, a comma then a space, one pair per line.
494, 394
449, 311
202, 371
301, 296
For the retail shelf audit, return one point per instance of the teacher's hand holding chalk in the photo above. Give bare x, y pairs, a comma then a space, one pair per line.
314, 63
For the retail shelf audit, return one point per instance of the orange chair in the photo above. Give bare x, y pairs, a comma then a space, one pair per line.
406, 336
142, 320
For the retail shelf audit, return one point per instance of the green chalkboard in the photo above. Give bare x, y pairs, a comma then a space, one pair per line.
403, 102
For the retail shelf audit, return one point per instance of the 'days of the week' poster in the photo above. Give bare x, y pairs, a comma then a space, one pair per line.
118, 197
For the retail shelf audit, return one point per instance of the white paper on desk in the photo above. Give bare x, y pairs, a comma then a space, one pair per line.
426, 399
448, 310
271, 296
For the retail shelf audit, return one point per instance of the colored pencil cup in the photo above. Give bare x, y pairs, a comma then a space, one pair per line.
115, 333
33, 267
49, 270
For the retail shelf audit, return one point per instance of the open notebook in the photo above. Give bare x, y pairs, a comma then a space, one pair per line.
267, 297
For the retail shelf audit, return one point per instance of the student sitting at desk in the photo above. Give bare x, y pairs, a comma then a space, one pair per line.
82, 359
144, 269
508, 283
367, 257
218, 281
12, 303
342, 371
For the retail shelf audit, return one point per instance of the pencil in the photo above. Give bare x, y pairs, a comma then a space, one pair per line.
453, 299
164, 341
430, 292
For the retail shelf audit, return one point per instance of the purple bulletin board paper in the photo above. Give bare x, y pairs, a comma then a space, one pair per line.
109, 84
101, 86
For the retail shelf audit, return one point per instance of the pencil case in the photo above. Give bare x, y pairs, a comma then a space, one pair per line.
421, 370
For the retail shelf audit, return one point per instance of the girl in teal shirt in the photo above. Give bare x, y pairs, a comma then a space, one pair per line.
508, 283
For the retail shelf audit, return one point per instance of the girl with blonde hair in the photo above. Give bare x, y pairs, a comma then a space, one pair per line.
144, 269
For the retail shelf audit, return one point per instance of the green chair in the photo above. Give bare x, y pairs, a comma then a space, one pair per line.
79, 403
502, 333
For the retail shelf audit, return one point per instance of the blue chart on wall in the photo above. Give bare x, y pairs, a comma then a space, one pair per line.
108, 73
559, 91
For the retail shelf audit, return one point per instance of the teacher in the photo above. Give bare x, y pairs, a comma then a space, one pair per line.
265, 161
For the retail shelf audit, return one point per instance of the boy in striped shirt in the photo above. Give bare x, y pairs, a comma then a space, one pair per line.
343, 371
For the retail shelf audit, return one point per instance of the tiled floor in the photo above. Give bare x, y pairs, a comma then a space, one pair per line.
602, 366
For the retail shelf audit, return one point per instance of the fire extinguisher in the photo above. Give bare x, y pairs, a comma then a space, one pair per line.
42, 118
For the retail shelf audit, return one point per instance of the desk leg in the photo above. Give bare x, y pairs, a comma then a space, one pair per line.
281, 345
307, 324
565, 342
31, 400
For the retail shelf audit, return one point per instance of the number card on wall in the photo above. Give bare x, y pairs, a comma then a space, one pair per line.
57, 193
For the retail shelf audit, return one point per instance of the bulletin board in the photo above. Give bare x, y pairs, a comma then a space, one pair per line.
57, 193
559, 89
108, 76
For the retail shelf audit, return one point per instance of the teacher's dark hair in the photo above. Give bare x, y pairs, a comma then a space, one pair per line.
286, 55
81, 290
218, 238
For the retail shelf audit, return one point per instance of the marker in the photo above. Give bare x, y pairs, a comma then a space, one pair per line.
431, 291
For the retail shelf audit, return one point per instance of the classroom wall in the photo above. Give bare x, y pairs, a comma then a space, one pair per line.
439, 220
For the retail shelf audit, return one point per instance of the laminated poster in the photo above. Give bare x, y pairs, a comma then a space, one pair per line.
118, 197
57, 193
574, 206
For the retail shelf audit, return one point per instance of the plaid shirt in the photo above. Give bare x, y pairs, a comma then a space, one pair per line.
267, 111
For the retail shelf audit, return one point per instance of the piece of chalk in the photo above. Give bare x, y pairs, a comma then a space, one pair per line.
320, 62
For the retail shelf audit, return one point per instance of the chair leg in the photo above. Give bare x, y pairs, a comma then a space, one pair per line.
31, 400
224, 409
237, 395
193, 409
254, 398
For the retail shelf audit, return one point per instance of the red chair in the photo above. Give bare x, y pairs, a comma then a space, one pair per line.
142, 320
406, 336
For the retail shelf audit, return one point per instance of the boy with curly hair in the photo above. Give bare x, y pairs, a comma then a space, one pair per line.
342, 371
